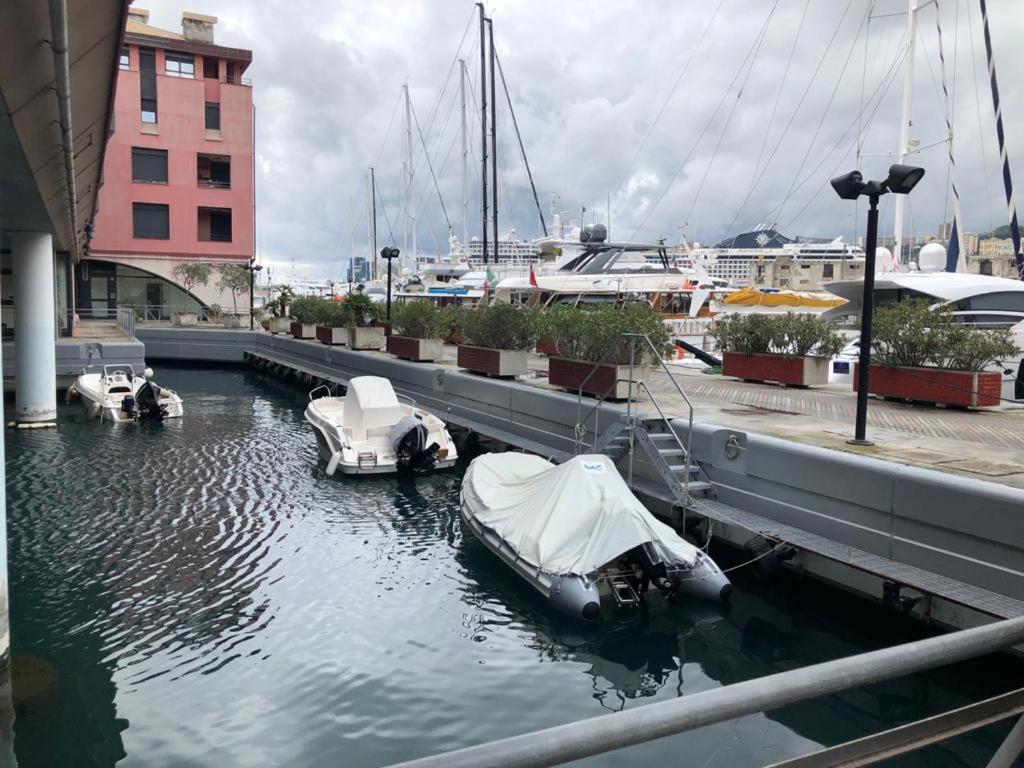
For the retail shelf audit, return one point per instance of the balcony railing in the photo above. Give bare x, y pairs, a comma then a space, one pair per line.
211, 184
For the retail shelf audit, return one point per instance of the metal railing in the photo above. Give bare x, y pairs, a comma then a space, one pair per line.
123, 317
213, 184
598, 735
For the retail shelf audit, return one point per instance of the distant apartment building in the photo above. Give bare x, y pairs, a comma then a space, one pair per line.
970, 239
178, 175
994, 257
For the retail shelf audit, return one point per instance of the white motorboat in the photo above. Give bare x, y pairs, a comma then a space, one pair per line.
120, 394
577, 534
368, 431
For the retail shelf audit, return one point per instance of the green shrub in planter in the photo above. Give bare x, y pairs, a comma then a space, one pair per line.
362, 312
910, 334
420, 320
589, 333
455, 319
790, 335
307, 310
332, 314
214, 312
500, 326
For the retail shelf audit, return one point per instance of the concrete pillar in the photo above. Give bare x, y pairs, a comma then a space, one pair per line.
6, 702
35, 321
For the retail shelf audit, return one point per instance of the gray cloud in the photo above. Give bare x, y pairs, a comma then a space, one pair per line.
587, 80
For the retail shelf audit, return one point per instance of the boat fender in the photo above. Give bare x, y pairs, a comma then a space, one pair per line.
767, 558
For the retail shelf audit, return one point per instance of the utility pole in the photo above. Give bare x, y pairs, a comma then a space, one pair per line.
494, 142
465, 155
904, 148
483, 129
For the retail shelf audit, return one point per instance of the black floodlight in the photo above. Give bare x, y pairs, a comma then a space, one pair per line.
903, 178
389, 253
849, 186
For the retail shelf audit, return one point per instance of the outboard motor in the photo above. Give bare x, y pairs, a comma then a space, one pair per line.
148, 402
653, 570
129, 407
409, 441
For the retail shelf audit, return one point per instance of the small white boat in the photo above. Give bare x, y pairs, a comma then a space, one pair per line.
120, 393
368, 431
577, 534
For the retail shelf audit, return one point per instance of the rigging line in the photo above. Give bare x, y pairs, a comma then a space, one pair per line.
801, 100
824, 115
700, 137
387, 221
891, 77
981, 132
387, 133
860, 112
954, 252
671, 93
451, 68
416, 120
771, 120
732, 110
522, 149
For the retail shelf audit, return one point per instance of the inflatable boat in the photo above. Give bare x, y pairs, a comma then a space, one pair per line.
368, 431
578, 535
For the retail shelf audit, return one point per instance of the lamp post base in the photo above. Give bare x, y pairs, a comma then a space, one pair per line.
855, 441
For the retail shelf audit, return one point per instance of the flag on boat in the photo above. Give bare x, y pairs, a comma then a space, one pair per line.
533, 278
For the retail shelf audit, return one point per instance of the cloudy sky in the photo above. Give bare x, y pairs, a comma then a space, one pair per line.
703, 116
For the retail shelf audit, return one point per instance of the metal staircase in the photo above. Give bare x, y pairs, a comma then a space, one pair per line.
652, 435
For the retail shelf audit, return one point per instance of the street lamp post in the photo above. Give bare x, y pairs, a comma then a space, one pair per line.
253, 269
389, 255
901, 179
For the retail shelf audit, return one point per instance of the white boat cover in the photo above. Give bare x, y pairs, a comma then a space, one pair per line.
571, 518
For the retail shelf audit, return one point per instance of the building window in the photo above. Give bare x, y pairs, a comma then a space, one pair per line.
211, 67
212, 116
149, 165
213, 171
986, 267
215, 225
123, 63
826, 271
150, 221
147, 84
180, 65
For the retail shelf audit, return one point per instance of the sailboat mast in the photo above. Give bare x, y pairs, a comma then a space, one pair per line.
483, 129
904, 147
373, 220
494, 144
955, 253
407, 172
465, 155
1007, 180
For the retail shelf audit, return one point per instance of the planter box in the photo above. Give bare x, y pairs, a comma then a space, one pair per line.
279, 325
303, 330
970, 389
547, 347
418, 350
366, 338
794, 371
329, 335
233, 321
493, 362
607, 381
185, 318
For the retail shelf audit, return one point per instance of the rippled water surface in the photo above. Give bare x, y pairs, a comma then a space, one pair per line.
200, 594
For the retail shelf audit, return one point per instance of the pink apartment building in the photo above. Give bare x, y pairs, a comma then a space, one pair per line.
178, 174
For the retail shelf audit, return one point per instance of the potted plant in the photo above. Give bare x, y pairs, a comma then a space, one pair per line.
279, 322
364, 316
190, 274
590, 352
922, 354
495, 339
792, 349
331, 323
235, 280
305, 313
455, 321
418, 329
214, 313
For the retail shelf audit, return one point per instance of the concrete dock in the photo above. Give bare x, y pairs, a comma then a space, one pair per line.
929, 522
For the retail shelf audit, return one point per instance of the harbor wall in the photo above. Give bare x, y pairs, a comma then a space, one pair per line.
74, 355
954, 527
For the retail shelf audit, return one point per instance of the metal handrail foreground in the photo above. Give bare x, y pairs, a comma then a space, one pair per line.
597, 735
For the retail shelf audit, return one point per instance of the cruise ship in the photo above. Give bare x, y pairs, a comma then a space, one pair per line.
765, 257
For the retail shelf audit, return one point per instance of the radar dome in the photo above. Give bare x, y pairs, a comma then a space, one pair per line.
884, 260
599, 233
586, 234
932, 258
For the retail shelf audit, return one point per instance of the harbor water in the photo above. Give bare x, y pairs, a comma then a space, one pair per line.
199, 593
